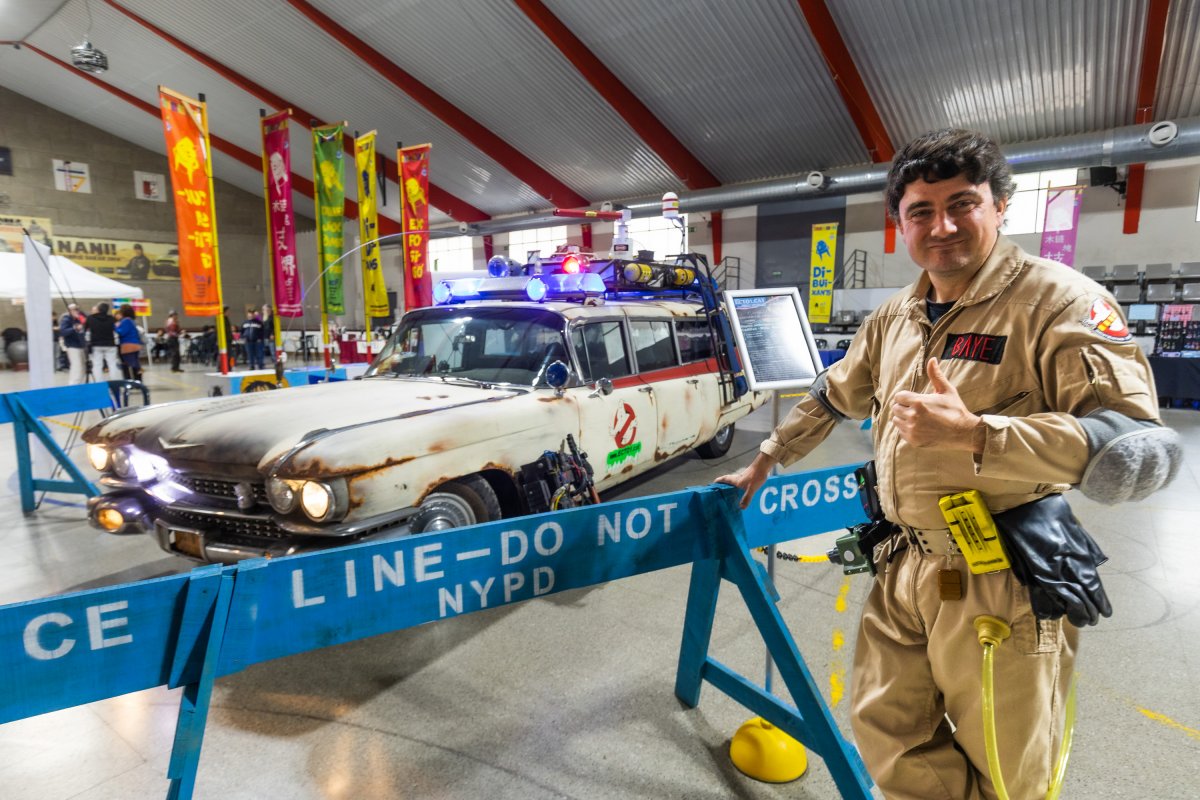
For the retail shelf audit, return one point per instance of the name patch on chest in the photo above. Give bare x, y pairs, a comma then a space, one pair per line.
984, 347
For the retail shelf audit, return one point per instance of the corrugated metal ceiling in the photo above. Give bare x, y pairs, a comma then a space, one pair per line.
742, 85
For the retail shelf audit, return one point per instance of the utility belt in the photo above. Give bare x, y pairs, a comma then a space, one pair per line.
1041, 541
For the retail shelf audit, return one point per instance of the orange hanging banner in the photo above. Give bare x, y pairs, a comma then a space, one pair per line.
185, 124
414, 204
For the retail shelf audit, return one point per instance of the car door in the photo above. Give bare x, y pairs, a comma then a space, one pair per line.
673, 388
618, 431
698, 359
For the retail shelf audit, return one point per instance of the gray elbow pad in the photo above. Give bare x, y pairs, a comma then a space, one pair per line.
1129, 459
820, 393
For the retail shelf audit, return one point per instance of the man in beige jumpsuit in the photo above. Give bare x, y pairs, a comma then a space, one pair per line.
987, 396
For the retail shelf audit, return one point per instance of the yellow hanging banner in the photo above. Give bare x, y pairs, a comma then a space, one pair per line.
821, 270
374, 292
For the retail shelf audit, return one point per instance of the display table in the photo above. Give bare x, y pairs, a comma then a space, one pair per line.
1176, 378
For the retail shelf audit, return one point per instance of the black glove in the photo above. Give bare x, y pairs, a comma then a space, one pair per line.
1056, 560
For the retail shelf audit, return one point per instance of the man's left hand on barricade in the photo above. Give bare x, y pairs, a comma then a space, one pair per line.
937, 418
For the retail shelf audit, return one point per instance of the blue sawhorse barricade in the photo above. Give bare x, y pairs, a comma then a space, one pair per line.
187, 630
23, 410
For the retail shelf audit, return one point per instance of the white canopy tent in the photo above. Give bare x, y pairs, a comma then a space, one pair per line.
68, 280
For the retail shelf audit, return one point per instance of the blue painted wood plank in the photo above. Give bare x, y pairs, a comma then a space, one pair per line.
65, 399
76, 648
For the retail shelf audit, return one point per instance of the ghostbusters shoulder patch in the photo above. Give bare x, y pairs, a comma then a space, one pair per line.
1106, 322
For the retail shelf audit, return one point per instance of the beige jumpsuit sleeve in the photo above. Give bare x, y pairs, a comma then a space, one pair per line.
1080, 371
850, 389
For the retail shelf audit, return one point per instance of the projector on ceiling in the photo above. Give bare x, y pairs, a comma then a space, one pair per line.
88, 58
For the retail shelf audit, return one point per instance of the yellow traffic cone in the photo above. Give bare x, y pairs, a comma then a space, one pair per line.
766, 753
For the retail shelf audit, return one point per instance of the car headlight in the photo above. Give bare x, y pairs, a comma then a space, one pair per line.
317, 500
122, 464
283, 494
97, 455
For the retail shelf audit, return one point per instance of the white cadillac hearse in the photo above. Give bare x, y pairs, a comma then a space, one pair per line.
528, 390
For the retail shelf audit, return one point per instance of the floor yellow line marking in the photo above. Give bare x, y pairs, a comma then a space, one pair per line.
64, 424
837, 668
1170, 723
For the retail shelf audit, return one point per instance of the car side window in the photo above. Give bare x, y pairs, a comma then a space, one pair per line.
652, 343
600, 348
695, 340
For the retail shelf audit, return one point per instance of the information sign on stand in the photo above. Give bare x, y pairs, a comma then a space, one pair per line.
773, 336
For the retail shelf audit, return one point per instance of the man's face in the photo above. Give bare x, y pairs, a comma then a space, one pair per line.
949, 226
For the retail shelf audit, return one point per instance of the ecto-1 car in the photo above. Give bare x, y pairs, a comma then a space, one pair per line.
531, 389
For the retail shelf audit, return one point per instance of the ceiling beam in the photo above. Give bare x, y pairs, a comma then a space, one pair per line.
849, 83
641, 119
387, 225
511, 159
458, 209
1152, 46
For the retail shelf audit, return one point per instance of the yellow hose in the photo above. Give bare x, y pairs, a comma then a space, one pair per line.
989, 722
992, 631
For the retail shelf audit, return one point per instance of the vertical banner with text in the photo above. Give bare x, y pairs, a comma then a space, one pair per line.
185, 127
374, 291
822, 267
1060, 225
330, 201
281, 226
414, 196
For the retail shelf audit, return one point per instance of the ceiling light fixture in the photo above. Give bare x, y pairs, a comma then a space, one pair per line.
86, 57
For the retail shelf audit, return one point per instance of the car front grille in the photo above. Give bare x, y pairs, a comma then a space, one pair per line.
220, 489
225, 526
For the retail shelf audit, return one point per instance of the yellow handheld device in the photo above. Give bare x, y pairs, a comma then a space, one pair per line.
974, 531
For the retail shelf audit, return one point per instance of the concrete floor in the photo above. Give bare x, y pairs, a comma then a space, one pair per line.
571, 696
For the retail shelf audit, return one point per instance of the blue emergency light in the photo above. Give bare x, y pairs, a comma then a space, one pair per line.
553, 286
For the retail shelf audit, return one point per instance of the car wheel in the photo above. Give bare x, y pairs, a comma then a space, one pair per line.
718, 445
456, 504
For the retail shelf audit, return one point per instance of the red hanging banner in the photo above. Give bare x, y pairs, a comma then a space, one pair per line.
185, 125
414, 205
277, 179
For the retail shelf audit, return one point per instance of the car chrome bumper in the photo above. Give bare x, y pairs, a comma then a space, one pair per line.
227, 536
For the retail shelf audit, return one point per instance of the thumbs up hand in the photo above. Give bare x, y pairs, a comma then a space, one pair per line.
937, 418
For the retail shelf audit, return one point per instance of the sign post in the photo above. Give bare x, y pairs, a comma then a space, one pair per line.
779, 353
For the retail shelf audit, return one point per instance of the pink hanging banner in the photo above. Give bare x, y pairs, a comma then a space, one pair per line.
277, 179
1061, 224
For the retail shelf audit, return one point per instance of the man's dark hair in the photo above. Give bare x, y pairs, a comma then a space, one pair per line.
940, 155
102, 308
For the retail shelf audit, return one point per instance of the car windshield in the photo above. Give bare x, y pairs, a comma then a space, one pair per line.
486, 345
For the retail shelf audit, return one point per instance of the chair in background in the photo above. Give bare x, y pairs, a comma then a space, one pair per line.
822, 344
1189, 270
1098, 273
1126, 273
1160, 272
1160, 293
1191, 292
844, 344
1127, 293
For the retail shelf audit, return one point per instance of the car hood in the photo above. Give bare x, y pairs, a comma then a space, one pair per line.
254, 429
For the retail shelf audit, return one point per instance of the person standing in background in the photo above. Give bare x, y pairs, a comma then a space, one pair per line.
131, 344
268, 321
252, 339
101, 333
172, 330
70, 327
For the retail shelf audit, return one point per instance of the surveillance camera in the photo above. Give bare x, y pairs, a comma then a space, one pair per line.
816, 179
463, 227
606, 205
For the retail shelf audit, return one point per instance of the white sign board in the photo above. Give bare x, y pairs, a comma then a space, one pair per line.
776, 344
72, 176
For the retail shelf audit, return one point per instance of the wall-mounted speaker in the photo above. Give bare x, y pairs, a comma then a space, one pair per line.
1102, 176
